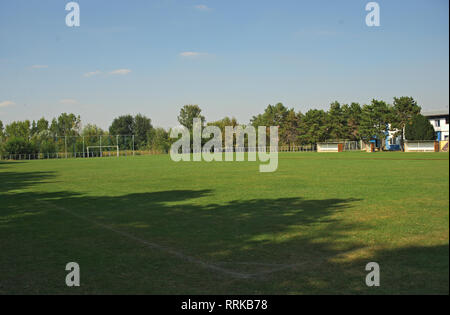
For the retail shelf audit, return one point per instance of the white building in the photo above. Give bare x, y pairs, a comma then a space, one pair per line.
439, 120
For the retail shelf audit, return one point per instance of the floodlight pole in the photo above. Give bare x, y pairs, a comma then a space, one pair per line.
101, 153
65, 145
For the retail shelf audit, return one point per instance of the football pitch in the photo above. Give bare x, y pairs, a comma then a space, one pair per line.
148, 225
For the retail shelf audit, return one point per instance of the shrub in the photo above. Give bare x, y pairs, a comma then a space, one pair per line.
19, 145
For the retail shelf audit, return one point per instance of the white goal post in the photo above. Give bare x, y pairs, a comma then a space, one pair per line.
101, 148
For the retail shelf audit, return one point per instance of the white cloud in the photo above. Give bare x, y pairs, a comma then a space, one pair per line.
92, 73
114, 72
191, 54
68, 101
39, 66
120, 71
6, 103
202, 7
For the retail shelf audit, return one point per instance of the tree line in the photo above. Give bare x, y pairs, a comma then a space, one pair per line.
339, 122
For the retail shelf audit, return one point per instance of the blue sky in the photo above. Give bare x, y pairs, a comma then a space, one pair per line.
232, 57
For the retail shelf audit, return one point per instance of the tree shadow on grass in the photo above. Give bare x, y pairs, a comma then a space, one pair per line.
10, 181
239, 230
409, 270
284, 245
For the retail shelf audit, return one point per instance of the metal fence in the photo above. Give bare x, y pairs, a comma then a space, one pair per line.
60, 147
353, 145
66, 155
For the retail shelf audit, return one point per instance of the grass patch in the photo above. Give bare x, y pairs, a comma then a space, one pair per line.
146, 224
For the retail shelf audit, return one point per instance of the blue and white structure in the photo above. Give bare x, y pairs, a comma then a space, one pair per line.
439, 120
392, 142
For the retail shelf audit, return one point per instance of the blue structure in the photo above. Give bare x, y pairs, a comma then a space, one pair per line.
392, 146
392, 143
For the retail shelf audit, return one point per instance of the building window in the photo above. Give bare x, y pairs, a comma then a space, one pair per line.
446, 120
437, 123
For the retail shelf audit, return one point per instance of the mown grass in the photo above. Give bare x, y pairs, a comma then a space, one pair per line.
308, 228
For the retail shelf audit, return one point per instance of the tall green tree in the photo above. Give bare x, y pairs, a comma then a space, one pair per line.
352, 115
274, 115
221, 124
66, 125
127, 125
1, 128
289, 128
187, 115
336, 123
91, 130
419, 128
42, 125
313, 127
227, 121
91, 136
404, 110
34, 129
44, 141
141, 128
122, 125
375, 119
19, 129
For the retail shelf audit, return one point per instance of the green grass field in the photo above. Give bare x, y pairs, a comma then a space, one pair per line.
148, 225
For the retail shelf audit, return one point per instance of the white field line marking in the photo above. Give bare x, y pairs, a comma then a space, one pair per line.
182, 256
157, 246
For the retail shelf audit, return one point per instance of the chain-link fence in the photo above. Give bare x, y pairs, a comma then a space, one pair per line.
353, 145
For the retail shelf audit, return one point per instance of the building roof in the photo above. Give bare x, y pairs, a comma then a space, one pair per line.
442, 112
